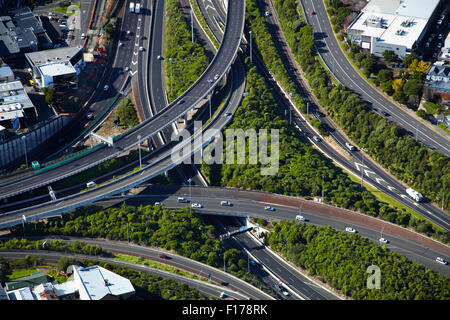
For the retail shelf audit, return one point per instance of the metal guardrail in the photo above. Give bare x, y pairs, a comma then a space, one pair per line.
167, 123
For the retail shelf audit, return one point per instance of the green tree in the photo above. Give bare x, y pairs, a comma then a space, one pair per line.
413, 87
389, 56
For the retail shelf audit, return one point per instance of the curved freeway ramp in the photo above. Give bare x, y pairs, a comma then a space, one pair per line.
220, 65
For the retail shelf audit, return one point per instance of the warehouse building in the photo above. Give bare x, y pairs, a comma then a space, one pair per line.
57, 68
397, 25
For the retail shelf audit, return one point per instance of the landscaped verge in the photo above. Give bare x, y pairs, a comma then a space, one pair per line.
387, 143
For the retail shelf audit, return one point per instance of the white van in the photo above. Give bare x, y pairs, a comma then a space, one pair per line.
91, 184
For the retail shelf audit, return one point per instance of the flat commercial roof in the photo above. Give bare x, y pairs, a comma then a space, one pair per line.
5, 71
14, 92
52, 55
56, 69
411, 8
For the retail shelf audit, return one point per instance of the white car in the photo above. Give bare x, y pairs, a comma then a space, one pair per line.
269, 208
196, 205
158, 204
300, 218
285, 293
90, 115
225, 203
216, 77
383, 240
316, 138
106, 87
83, 36
183, 200
159, 57
120, 44
267, 13
350, 229
141, 48
441, 260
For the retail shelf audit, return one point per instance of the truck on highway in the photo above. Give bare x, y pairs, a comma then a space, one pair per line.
138, 8
413, 194
131, 6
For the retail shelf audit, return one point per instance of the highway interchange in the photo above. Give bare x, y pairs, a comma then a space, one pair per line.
130, 49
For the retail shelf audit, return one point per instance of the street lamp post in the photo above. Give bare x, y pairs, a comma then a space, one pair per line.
251, 51
323, 195
290, 110
170, 60
25, 149
190, 195
140, 160
192, 26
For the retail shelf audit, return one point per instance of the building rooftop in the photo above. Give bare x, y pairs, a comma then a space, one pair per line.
56, 69
30, 281
408, 8
5, 72
98, 282
52, 55
394, 21
21, 294
13, 92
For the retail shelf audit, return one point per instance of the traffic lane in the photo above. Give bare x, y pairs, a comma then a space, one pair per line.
201, 269
203, 287
430, 212
320, 22
294, 280
223, 225
289, 276
412, 250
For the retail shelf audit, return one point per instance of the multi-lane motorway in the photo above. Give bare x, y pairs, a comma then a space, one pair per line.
216, 70
354, 161
337, 63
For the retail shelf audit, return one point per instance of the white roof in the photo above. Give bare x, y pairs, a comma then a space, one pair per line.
391, 29
417, 8
56, 69
21, 294
97, 282
65, 288
422, 9
10, 115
